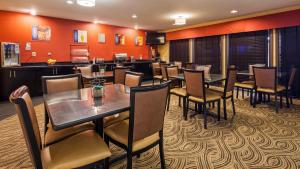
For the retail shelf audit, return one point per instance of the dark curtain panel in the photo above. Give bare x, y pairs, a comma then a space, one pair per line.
248, 48
179, 50
208, 52
289, 55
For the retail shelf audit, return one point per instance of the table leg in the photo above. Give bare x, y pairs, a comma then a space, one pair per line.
99, 126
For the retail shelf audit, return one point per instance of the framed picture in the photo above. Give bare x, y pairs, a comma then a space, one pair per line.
101, 37
41, 32
139, 40
119, 39
80, 36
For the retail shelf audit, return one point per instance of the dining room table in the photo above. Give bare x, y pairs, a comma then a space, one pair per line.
70, 108
208, 78
98, 75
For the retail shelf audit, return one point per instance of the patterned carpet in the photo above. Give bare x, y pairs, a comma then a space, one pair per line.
255, 138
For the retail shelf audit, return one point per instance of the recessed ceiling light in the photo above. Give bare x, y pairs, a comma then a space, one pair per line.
234, 11
33, 12
86, 3
136, 27
180, 20
134, 16
69, 2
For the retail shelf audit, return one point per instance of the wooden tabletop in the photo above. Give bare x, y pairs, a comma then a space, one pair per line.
71, 108
95, 75
211, 78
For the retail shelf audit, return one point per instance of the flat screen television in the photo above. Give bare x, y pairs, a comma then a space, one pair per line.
155, 38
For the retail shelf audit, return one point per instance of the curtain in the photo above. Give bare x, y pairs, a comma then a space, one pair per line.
207, 51
289, 55
179, 50
248, 48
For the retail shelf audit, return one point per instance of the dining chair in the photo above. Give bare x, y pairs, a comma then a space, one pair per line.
156, 71
56, 84
144, 129
179, 64
227, 91
196, 92
266, 83
175, 87
163, 67
132, 79
189, 65
79, 150
84, 70
290, 84
119, 74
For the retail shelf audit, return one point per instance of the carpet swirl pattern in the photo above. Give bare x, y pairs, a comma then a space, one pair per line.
254, 138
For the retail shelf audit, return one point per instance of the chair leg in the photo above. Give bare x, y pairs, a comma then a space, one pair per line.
276, 103
196, 107
224, 108
287, 99
237, 92
281, 104
251, 97
106, 163
129, 159
233, 106
187, 107
269, 97
219, 110
184, 108
243, 95
255, 99
169, 100
205, 115
153, 81
161, 153
179, 101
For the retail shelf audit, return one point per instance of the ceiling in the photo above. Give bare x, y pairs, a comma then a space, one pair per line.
152, 14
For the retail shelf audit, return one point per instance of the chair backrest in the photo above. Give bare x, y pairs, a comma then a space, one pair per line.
179, 64
292, 76
231, 78
189, 65
61, 83
119, 74
194, 80
172, 71
251, 73
29, 123
156, 68
147, 110
85, 70
265, 77
133, 79
207, 69
163, 67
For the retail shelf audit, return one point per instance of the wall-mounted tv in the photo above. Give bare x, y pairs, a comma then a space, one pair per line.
155, 38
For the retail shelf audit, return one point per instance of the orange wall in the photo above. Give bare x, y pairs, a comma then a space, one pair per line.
279, 20
16, 27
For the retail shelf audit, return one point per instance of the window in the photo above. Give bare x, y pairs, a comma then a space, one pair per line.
207, 51
248, 48
179, 50
289, 55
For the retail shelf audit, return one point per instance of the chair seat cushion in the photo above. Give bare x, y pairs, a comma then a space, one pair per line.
220, 91
179, 91
76, 151
245, 84
210, 96
280, 88
52, 136
115, 118
157, 77
119, 133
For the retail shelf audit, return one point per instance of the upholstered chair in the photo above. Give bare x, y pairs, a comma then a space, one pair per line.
84, 70
163, 67
119, 74
132, 79
156, 72
196, 92
144, 129
79, 150
56, 84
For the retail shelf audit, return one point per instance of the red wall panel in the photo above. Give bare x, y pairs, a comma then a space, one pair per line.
16, 27
279, 20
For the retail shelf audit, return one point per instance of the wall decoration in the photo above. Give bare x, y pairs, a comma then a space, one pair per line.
139, 40
80, 36
119, 39
28, 46
41, 32
101, 37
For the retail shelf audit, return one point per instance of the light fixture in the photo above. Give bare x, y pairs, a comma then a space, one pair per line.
86, 3
180, 20
136, 27
33, 12
69, 2
134, 16
234, 11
